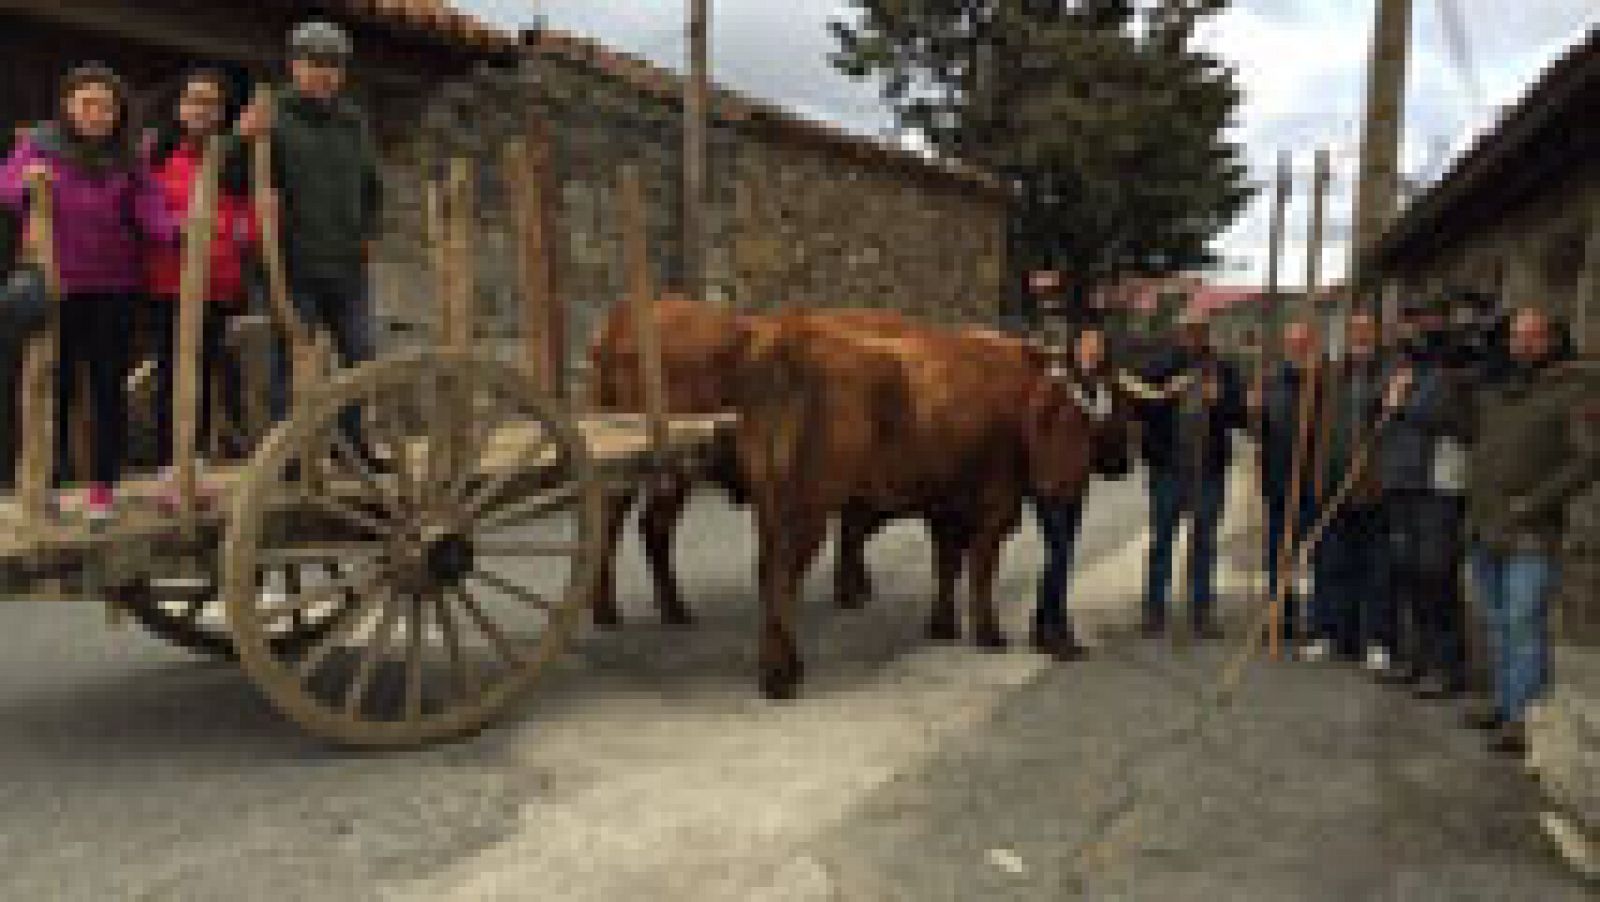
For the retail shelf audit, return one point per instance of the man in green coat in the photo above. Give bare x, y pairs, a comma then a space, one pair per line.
1534, 445
325, 170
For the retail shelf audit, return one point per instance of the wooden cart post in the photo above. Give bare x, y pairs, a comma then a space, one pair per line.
637, 256
36, 410
199, 232
458, 325
528, 176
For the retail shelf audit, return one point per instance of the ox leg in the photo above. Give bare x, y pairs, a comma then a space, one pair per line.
948, 545
659, 525
788, 547
614, 514
983, 565
852, 583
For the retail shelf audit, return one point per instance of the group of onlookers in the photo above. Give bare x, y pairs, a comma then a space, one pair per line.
120, 195
1388, 472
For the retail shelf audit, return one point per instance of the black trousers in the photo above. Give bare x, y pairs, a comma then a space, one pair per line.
1426, 557
162, 317
95, 339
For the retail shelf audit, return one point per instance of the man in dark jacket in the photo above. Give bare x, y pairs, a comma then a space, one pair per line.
1351, 608
1283, 412
1535, 443
1188, 402
327, 179
1422, 467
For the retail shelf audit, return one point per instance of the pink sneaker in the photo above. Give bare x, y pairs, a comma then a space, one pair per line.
100, 503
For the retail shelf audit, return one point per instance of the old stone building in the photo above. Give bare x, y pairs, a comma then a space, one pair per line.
1519, 216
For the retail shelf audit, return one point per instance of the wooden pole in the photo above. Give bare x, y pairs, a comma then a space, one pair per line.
696, 89
1282, 185
1378, 187
1305, 413
199, 231
1328, 381
459, 315
527, 167
641, 296
1319, 196
1272, 334
36, 410
295, 332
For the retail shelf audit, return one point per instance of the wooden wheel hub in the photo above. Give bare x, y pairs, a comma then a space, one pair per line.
450, 559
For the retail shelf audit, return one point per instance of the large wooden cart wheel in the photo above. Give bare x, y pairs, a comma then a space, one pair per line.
463, 510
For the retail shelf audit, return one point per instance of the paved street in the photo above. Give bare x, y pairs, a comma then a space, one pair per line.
647, 767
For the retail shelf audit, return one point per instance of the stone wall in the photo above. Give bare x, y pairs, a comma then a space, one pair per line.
790, 222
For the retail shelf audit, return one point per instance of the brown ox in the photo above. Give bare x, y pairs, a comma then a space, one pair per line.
952, 427
702, 349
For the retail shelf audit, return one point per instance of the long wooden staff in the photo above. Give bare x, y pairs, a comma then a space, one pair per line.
36, 413
199, 232
1306, 411
296, 334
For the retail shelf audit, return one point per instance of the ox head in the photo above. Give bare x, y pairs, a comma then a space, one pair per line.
1068, 439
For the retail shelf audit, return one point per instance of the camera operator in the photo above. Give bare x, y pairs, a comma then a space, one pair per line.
1422, 462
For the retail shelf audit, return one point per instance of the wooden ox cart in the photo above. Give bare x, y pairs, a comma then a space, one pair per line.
389, 596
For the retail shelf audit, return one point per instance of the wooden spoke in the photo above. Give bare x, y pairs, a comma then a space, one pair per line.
461, 671
417, 628
508, 588
528, 548
376, 648
320, 554
346, 590
560, 498
342, 632
486, 495
346, 453
338, 508
497, 637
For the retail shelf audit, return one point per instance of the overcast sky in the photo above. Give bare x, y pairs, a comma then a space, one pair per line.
1302, 64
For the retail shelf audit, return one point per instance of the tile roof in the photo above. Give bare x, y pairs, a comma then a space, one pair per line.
441, 19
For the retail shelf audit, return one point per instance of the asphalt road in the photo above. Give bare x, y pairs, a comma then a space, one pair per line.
647, 767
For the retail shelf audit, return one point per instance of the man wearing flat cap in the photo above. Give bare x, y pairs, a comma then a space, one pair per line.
325, 170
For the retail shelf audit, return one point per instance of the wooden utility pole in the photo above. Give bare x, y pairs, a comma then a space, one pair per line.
1320, 176
1378, 187
696, 90
1283, 183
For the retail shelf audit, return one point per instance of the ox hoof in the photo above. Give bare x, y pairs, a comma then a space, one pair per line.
677, 617
991, 641
944, 631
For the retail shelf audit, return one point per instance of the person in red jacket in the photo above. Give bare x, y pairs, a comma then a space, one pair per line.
175, 154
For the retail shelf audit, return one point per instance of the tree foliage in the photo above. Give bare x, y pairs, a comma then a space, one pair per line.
1105, 114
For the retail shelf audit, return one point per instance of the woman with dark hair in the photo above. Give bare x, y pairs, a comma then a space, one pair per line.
198, 112
106, 205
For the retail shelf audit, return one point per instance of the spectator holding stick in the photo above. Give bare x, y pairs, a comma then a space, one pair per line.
106, 204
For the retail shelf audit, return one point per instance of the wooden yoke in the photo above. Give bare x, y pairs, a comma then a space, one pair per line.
37, 408
637, 265
198, 235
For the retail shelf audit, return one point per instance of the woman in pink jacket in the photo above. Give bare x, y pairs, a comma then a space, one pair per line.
106, 208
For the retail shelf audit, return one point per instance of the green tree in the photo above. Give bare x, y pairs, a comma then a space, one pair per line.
1107, 118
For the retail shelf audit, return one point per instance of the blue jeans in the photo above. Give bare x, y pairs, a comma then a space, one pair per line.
1515, 591
1350, 604
1167, 495
1276, 504
343, 311
1058, 527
